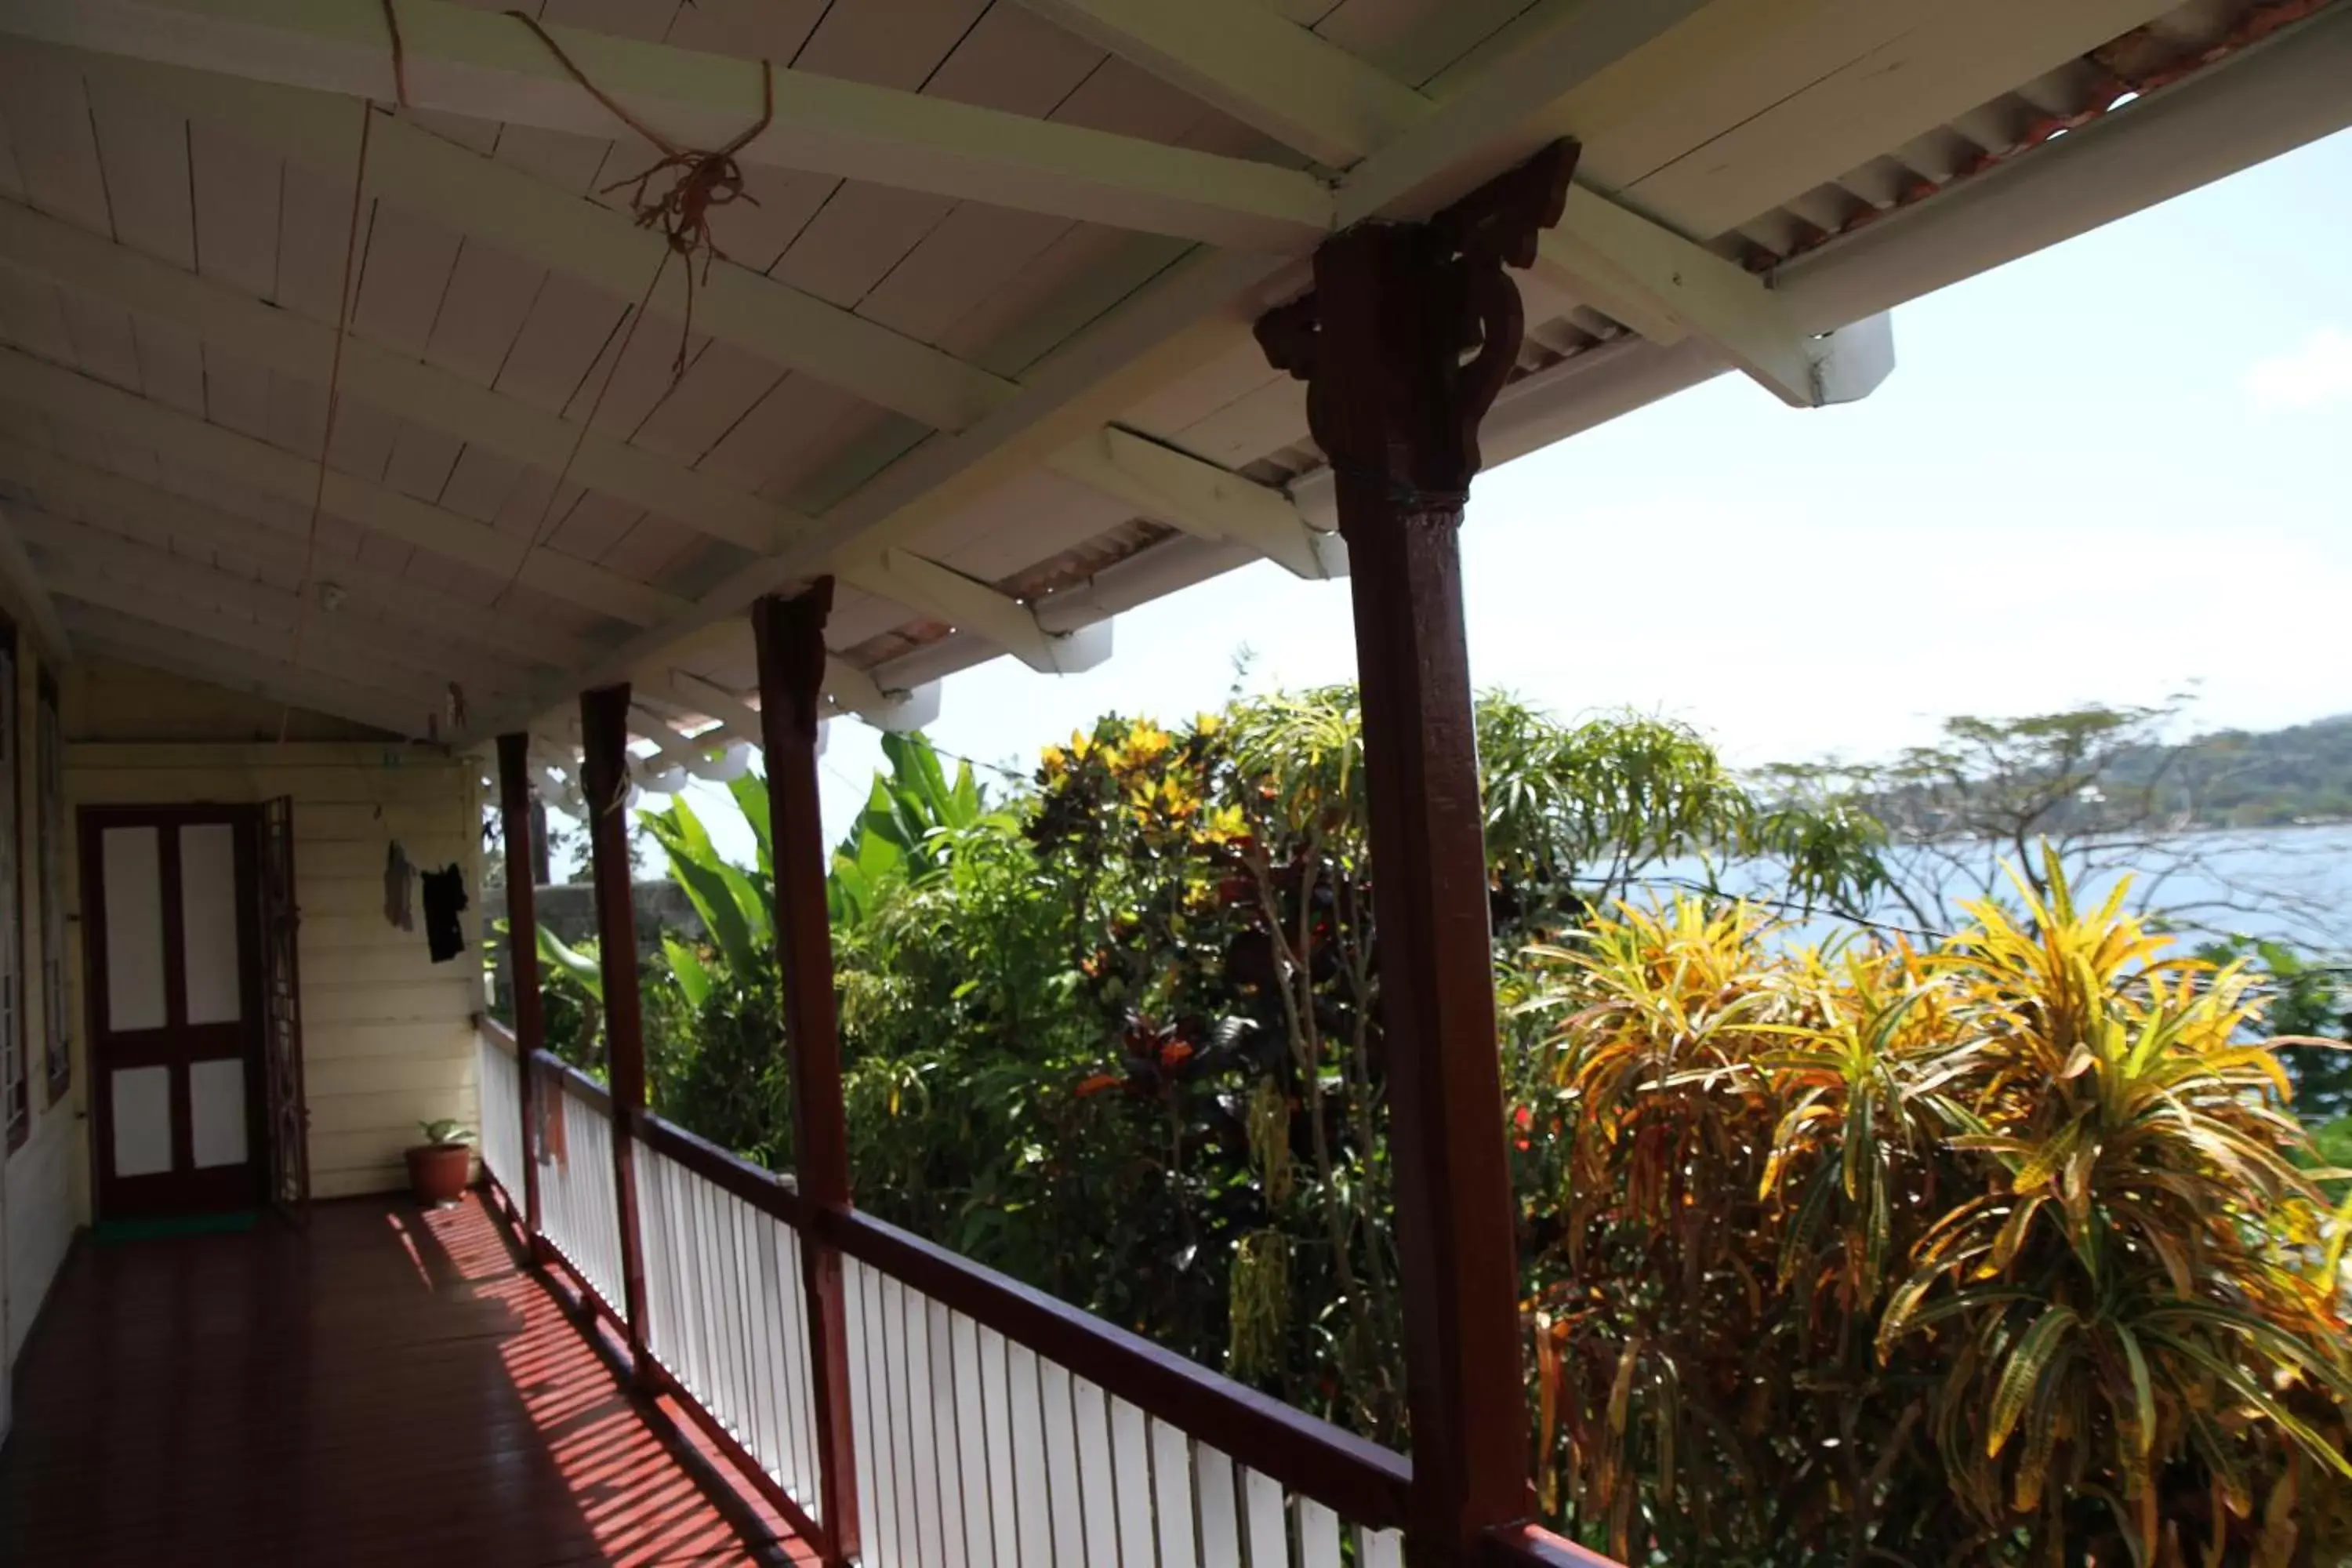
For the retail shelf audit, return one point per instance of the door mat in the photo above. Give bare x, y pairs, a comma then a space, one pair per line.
108, 1232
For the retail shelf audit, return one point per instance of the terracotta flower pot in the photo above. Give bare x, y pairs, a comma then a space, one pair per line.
438, 1172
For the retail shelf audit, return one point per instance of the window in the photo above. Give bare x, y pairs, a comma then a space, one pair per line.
49, 783
16, 1104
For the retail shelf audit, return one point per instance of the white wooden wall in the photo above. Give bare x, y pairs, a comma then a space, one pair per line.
388, 1038
38, 1189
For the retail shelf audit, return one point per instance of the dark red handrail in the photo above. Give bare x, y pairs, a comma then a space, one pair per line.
1533, 1546
573, 1080
767, 1190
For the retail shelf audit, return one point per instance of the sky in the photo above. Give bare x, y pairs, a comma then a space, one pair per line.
2100, 473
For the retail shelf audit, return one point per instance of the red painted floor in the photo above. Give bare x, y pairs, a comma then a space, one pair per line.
390, 1388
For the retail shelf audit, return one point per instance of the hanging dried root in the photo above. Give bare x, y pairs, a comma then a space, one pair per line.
697, 181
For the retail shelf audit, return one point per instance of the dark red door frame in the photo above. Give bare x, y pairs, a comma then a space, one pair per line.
1395, 405
515, 819
183, 1189
789, 635
604, 778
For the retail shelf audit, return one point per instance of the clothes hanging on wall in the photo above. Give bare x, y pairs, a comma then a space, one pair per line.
398, 872
445, 898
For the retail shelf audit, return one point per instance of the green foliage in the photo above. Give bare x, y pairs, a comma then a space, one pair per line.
578, 965
1948, 1256
446, 1133
2307, 1005
902, 833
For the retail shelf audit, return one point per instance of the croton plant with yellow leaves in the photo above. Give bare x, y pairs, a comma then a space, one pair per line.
1993, 1251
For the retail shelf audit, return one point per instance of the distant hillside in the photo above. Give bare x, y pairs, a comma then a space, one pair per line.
2245, 779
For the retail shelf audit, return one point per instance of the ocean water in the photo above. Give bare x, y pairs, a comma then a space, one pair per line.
2286, 883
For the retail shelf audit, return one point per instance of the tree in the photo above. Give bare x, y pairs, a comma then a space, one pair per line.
2109, 789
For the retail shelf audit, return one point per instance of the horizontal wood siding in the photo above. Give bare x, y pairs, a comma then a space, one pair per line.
388, 1036
38, 1202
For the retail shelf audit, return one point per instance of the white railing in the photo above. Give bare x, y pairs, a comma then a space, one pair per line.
578, 1213
501, 1105
989, 1425
979, 1450
726, 1309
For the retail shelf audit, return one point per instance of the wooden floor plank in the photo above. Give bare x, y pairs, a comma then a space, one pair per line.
390, 1388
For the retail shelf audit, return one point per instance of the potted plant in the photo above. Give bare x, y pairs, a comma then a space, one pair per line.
438, 1166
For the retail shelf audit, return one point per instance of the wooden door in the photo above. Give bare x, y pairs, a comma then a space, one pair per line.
169, 901
281, 1014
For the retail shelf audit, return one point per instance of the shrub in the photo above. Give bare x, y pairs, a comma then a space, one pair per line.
1992, 1253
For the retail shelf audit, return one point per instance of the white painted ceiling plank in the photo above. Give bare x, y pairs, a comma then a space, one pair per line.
509, 207
32, 317
235, 188
47, 112
396, 383
159, 607
83, 550
79, 399
1256, 65
112, 635
103, 344
12, 179
143, 156
18, 570
492, 67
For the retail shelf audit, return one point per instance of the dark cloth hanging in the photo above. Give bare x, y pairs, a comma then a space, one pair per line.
396, 873
445, 898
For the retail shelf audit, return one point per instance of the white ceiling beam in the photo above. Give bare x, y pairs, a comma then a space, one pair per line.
161, 517
966, 604
1183, 491
1289, 82
394, 687
16, 570
76, 549
686, 751
106, 635
855, 691
1245, 58
598, 244
1630, 266
83, 400
400, 385
491, 67
706, 696
1180, 321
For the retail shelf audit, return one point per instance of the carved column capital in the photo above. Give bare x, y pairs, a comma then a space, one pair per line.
1411, 333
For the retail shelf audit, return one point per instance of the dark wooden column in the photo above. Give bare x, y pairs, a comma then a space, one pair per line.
604, 770
1409, 334
517, 818
790, 634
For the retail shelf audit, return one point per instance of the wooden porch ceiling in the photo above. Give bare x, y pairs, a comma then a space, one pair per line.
980, 343
388, 1389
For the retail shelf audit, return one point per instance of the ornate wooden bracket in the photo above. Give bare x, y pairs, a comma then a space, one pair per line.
1411, 331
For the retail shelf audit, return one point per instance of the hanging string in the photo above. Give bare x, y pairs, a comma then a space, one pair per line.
343, 305
700, 180
399, 56
681, 213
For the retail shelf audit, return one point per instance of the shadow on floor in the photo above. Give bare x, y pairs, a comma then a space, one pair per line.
389, 1388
